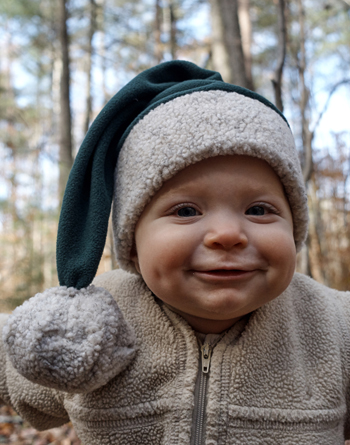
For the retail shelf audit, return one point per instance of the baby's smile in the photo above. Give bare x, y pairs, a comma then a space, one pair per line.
223, 274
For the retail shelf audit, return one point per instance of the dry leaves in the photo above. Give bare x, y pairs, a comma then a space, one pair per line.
16, 432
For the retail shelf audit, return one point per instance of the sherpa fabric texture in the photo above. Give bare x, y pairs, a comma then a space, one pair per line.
67, 339
285, 380
189, 129
87, 201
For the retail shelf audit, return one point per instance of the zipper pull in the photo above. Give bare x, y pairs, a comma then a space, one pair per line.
206, 357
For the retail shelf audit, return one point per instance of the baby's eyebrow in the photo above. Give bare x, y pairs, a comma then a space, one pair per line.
174, 191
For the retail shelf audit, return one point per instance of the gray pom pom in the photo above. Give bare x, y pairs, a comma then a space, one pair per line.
68, 339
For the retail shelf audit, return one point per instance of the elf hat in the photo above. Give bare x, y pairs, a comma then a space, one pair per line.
74, 337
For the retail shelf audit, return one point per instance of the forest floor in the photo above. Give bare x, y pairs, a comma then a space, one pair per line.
15, 431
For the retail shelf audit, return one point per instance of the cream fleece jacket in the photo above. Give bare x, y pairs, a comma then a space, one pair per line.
285, 380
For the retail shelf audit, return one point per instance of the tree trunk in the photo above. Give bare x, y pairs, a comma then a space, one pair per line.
307, 136
173, 37
91, 32
65, 153
102, 50
304, 97
246, 33
8, 95
110, 242
316, 254
158, 32
227, 49
281, 55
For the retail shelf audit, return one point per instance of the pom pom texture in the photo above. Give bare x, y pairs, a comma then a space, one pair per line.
69, 339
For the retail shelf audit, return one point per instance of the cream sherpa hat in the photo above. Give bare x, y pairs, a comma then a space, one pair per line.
189, 129
74, 337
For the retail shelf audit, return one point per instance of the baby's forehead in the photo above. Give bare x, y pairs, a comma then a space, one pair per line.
249, 175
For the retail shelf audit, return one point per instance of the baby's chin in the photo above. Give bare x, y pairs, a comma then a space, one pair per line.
213, 324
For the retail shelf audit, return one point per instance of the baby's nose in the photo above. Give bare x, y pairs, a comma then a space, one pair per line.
226, 233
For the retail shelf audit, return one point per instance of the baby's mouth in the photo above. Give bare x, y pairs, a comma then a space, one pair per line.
223, 273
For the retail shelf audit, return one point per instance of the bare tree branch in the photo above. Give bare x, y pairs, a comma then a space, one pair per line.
324, 109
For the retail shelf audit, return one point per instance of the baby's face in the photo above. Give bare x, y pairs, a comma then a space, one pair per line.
216, 242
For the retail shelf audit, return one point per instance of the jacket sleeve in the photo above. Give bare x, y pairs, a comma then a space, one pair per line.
42, 407
344, 319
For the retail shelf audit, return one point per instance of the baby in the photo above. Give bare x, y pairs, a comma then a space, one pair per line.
216, 242
206, 335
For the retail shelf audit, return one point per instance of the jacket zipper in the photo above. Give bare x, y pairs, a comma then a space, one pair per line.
206, 351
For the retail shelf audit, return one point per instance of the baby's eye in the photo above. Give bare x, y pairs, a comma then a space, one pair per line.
186, 212
262, 209
256, 211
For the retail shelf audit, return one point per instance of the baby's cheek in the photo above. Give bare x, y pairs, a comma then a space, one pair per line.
281, 255
280, 246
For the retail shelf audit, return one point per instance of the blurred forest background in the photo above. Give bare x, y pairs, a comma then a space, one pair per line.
62, 60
